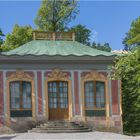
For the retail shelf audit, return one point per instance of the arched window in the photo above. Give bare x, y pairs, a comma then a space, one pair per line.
20, 99
94, 94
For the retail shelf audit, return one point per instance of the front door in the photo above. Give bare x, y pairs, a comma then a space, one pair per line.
58, 100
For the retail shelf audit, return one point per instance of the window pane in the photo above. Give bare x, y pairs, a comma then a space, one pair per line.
54, 89
65, 95
61, 89
60, 84
26, 95
58, 95
50, 105
62, 105
89, 94
100, 94
50, 89
54, 105
63, 101
65, 89
54, 84
55, 100
52, 94
15, 95
90, 105
50, 84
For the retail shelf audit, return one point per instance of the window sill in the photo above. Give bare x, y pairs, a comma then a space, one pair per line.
21, 109
95, 108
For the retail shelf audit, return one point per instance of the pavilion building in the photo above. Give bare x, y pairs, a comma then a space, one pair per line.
53, 78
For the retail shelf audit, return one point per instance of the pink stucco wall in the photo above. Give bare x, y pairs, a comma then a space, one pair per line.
76, 93
115, 103
39, 82
114, 90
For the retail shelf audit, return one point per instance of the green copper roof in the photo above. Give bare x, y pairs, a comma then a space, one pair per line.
51, 48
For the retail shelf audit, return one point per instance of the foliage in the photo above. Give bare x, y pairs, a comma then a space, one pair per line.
19, 36
105, 47
1, 35
82, 34
132, 38
5, 48
127, 68
54, 15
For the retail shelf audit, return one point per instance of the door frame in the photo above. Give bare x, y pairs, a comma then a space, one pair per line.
58, 75
58, 108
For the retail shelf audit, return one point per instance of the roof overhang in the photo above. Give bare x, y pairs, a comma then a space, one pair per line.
14, 59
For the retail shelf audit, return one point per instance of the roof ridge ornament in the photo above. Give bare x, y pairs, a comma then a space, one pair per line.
41, 35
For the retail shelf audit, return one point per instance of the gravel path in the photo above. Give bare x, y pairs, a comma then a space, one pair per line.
69, 136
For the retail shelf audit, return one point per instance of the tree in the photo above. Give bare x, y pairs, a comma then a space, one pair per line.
132, 38
127, 68
54, 15
99, 47
1, 35
5, 48
82, 34
94, 45
106, 47
19, 36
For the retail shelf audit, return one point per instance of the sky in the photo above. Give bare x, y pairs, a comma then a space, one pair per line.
108, 20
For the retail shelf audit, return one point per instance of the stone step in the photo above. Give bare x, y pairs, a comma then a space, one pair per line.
59, 131
59, 127
51, 126
54, 128
62, 126
55, 125
59, 124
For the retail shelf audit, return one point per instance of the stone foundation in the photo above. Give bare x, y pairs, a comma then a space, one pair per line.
6, 130
23, 124
110, 124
